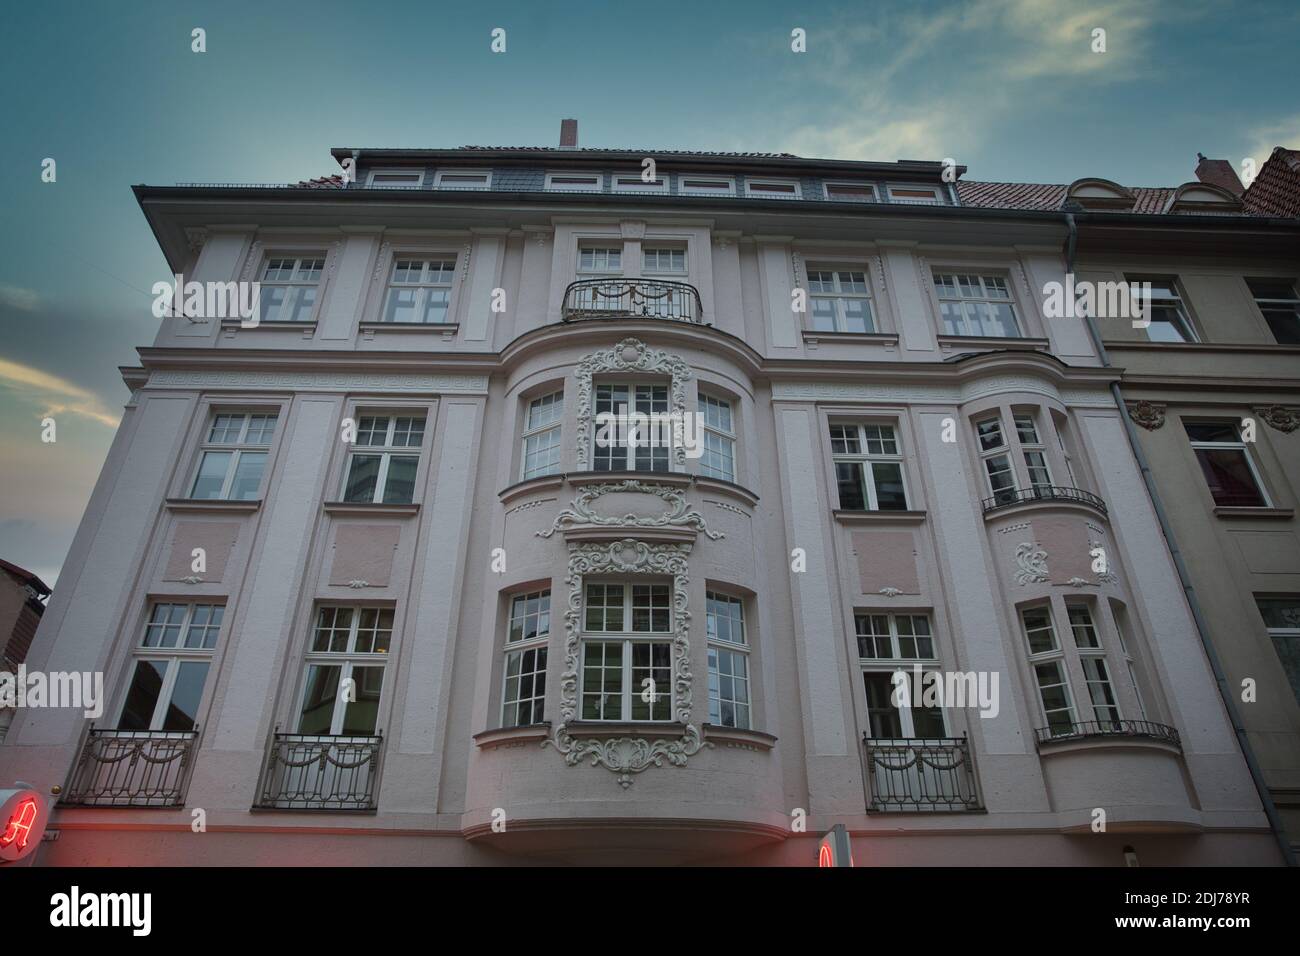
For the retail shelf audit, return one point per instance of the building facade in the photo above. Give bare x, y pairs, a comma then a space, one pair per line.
378, 579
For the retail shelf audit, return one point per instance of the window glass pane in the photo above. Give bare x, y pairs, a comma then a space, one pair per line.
363, 476
1220, 432
142, 697
408, 431
1280, 613
333, 630
164, 627
989, 432
848, 478
399, 488
400, 305
248, 476
602, 680
212, 475
882, 715
1229, 477
225, 429
318, 703
361, 716
652, 691
1038, 629
205, 625
183, 712
890, 495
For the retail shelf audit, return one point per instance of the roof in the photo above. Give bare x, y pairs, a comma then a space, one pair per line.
629, 152
25, 576
1275, 190
1044, 196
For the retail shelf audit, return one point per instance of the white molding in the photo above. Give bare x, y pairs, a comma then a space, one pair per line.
680, 514
319, 381
955, 394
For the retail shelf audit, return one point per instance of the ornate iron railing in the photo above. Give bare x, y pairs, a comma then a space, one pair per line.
632, 298
1016, 496
919, 774
1109, 728
132, 768
321, 772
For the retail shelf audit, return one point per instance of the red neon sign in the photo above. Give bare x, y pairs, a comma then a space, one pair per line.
19, 827
824, 856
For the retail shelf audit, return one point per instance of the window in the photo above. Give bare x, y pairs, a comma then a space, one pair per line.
524, 696
396, 178
1092, 659
895, 638
719, 457
345, 671
635, 184
616, 447
850, 192
728, 661
1282, 618
626, 672
666, 260
419, 290
976, 305
385, 459
914, 194
288, 287
459, 179
1226, 464
575, 182
1280, 303
542, 435
1047, 661
841, 300
997, 459
171, 666
772, 189
1035, 455
1169, 322
868, 468
600, 260
706, 186
233, 457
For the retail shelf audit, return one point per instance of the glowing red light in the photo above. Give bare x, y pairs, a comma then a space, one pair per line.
824, 857
19, 827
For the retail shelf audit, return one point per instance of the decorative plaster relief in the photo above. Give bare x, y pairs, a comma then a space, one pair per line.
1149, 415
1031, 564
1281, 417
679, 513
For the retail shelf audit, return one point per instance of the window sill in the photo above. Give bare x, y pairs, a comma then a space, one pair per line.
844, 516
872, 338
993, 341
528, 485
613, 728
1226, 511
513, 736
735, 737
369, 508
679, 479
218, 505
724, 487
449, 329
239, 324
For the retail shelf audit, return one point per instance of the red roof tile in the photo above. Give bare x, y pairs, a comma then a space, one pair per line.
1275, 191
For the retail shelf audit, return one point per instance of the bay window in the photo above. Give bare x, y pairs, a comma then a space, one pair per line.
728, 661
523, 697
719, 454
627, 652
617, 446
541, 451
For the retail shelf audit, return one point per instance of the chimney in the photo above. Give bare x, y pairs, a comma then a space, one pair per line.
1218, 172
569, 134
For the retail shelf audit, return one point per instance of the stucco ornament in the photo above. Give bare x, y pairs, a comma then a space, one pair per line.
890, 592
1147, 414
358, 585
1031, 564
1281, 417
679, 514
1078, 582
192, 579
626, 756
629, 355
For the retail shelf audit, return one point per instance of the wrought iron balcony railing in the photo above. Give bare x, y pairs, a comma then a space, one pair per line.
1017, 496
1108, 728
132, 768
921, 774
632, 298
321, 772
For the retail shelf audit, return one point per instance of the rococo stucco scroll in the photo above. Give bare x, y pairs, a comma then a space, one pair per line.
629, 355
679, 514
626, 756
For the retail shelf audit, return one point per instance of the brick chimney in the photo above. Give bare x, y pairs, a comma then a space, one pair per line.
1218, 172
569, 134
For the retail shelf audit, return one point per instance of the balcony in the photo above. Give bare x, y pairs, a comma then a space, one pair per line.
1019, 496
632, 298
321, 772
1092, 729
132, 768
920, 775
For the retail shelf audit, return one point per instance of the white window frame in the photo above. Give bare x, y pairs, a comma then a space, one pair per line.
386, 452
935, 192
236, 449
172, 656
1036, 447
1266, 304
422, 288
828, 185
718, 646
1278, 634
637, 185
750, 192
627, 637
606, 245
520, 648
838, 295
293, 286
532, 434
418, 183
1054, 655
658, 245
877, 665
346, 660
684, 187
984, 298
627, 451
867, 460
1176, 301
596, 187
440, 179
1003, 450
725, 436
1238, 445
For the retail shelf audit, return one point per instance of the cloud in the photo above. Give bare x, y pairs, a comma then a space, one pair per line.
1285, 132
54, 394
17, 298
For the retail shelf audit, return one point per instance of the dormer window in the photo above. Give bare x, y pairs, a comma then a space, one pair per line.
915, 194
850, 192
1203, 199
633, 183
706, 186
460, 179
1099, 194
772, 189
396, 178
575, 182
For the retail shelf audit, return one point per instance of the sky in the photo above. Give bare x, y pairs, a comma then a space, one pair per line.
114, 93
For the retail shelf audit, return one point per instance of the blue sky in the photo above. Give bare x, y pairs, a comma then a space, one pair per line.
113, 92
